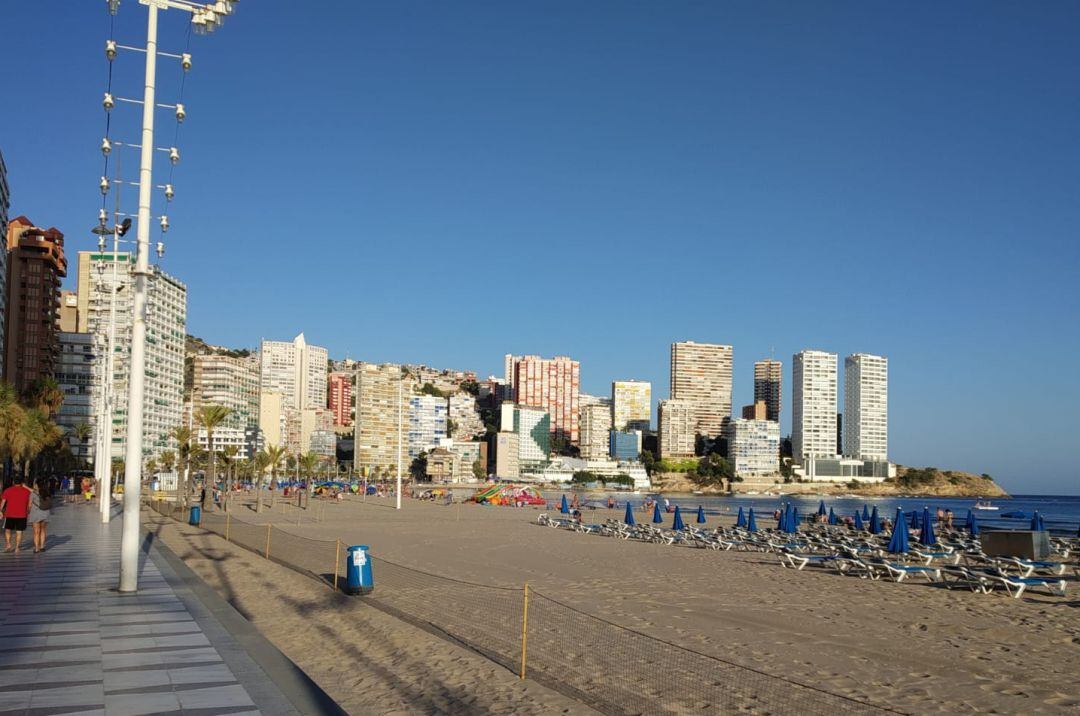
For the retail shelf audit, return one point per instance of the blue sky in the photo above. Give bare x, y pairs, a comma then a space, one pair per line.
447, 182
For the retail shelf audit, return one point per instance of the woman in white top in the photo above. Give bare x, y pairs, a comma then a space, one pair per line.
40, 506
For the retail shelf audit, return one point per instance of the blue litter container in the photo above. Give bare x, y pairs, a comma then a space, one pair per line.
359, 578
195, 516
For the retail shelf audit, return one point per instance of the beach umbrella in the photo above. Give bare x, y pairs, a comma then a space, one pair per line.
781, 521
821, 509
700, 515
926, 536
865, 513
859, 522
973, 526
1037, 522
795, 519
913, 516
629, 519
740, 521
564, 508
899, 542
832, 517
751, 523
656, 518
677, 523
967, 522
875, 522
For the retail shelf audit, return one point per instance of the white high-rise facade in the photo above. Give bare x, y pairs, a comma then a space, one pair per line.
631, 405
753, 446
296, 370
701, 375
426, 423
866, 406
813, 405
166, 326
677, 434
595, 431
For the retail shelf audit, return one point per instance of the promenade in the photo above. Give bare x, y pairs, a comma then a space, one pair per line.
73, 644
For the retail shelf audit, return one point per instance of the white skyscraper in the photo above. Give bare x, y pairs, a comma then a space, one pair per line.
296, 370
166, 326
813, 398
866, 406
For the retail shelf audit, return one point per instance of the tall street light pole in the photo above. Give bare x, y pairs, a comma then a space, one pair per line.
204, 17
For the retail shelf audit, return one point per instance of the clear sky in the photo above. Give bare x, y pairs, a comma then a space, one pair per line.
445, 182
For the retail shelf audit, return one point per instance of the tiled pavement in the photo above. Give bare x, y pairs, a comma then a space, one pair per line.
71, 644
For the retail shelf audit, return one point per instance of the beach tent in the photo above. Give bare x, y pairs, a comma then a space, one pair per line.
821, 509
656, 518
832, 517
629, 519
677, 523
973, 526
875, 521
564, 508
740, 521
865, 513
926, 536
700, 515
899, 542
751, 523
859, 521
1037, 522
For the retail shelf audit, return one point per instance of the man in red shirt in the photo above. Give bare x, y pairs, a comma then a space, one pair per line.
15, 504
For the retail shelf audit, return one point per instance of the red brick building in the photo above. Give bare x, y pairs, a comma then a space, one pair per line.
35, 266
339, 398
549, 383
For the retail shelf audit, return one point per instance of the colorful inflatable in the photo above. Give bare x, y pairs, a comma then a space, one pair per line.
505, 494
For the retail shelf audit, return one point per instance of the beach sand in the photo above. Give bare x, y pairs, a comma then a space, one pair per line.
366, 660
908, 646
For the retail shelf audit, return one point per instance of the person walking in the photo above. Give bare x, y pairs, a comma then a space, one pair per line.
40, 506
15, 504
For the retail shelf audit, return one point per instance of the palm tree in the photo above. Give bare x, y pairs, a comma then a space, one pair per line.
38, 433
183, 436
151, 466
12, 416
45, 395
228, 456
82, 433
308, 462
210, 417
274, 454
167, 460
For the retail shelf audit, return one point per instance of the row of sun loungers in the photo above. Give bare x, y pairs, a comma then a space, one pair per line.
957, 561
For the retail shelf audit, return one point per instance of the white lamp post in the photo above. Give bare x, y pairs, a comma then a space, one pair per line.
204, 18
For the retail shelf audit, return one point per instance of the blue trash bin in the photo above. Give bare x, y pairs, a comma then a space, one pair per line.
195, 517
358, 576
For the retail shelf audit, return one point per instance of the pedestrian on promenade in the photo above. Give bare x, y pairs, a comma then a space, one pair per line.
40, 505
15, 504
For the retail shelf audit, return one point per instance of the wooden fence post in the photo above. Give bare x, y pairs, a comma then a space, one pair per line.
524, 629
337, 562
269, 526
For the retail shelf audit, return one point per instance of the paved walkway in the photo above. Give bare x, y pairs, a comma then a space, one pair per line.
71, 644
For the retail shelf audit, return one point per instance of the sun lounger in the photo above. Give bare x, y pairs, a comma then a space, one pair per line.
1015, 586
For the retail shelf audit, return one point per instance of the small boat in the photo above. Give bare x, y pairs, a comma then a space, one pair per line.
980, 505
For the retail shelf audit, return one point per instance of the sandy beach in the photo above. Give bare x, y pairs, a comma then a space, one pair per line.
910, 647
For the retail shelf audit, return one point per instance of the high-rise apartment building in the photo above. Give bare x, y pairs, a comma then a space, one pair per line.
753, 446
35, 266
382, 396
339, 398
232, 382
813, 401
595, 426
631, 405
5, 204
758, 411
866, 406
76, 367
768, 378
426, 423
677, 433
551, 384
295, 369
68, 321
166, 327
701, 375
